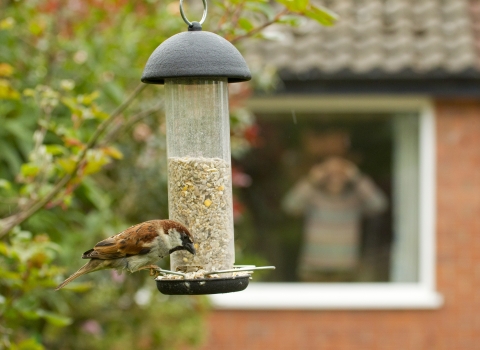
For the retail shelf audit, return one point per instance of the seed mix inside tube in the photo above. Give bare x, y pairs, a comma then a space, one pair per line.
200, 197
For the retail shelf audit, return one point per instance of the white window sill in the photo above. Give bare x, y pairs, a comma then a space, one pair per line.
331, 296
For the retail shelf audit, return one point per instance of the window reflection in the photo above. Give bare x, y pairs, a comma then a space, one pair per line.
332, 198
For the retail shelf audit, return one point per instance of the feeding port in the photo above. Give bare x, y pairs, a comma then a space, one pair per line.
178, 283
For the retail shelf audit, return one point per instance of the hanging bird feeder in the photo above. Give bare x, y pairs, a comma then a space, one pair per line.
196, 67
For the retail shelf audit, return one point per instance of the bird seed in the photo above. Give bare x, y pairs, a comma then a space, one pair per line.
200, 197
201, 274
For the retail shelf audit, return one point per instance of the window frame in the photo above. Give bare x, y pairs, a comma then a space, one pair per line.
384, 295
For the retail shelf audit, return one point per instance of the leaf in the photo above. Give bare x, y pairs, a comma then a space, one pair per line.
29, 170
305, 8
67, 164
95, 163
7, 92
55, 319
70, 141
67, 84
263, 8
321, 15
29, 344
55, 150
71, 104
300, 4
30, 315
6, 70
27, 189
5, 184
245, 24
95, 195
3, 249
88, 99
112, 152
113, 92
9, 154
98, 113
11, 276
19, 130
297, 6
7, 23
80, 287
29, 92
36, 28
291, 20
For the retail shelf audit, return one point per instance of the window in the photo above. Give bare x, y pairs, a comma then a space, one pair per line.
364, 232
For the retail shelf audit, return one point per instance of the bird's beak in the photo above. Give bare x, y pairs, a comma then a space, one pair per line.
189, 246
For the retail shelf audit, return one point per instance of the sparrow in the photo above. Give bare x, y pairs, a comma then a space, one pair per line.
136, 248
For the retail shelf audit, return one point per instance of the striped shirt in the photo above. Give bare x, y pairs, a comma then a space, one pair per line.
332, 222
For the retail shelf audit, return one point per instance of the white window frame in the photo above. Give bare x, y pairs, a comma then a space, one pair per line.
385, 295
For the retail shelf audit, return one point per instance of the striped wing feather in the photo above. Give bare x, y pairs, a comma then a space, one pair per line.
136, 240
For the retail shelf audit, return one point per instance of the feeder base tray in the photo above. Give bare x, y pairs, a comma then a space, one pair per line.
203, 286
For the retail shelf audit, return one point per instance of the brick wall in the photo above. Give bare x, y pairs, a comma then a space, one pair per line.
455, 326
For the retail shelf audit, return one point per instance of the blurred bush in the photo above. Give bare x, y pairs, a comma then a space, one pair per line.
73, 172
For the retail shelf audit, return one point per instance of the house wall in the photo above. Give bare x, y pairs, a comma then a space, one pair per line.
454, 326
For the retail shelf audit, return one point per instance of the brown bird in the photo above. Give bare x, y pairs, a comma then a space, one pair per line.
136, 248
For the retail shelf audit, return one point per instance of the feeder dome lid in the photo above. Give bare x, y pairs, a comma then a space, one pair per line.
195, 54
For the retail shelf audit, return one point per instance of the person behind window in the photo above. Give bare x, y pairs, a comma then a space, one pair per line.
333, 197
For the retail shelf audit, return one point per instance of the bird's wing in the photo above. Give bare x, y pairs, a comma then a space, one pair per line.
136, 240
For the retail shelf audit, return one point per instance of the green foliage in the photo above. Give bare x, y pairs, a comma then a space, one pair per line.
306, 8
71, 173
24, 300
55, 91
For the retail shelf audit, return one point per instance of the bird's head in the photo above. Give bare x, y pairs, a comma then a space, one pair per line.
179, 236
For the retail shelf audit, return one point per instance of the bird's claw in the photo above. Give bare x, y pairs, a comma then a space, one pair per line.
154, 270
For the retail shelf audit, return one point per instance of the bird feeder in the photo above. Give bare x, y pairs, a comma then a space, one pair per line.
195, 67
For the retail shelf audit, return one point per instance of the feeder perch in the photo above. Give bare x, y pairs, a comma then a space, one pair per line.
195, 67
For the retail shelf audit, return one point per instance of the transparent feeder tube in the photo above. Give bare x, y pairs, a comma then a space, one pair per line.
199, 170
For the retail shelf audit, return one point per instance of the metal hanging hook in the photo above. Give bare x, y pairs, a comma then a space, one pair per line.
185, 17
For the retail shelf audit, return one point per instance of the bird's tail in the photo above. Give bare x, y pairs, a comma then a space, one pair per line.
91, 266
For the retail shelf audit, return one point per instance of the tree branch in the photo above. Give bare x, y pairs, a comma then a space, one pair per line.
236, 13
10, 222
260, 28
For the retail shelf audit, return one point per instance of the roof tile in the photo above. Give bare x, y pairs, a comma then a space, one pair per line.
381, 35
